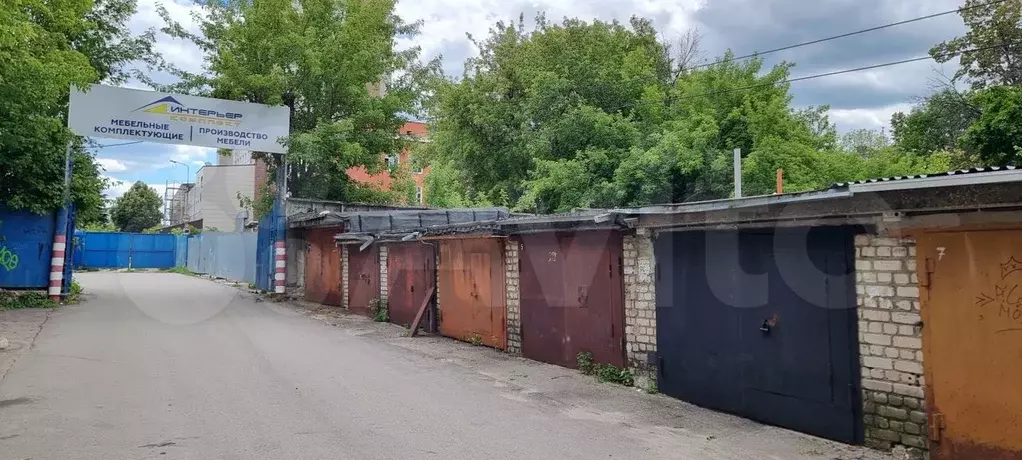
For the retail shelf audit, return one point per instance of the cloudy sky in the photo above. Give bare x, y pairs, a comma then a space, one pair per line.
857, 100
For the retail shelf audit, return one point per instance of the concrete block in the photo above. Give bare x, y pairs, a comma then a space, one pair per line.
879, 291
886, 435
908, 342
877, 339
863, 265
884, 277
891, 352
912, 251
868, 277
899, 251
862, 240
887, 265
877, 385
907, 390
911, 367
906, 354
895, 400
901, 278
912, 404
877, 363
904, 304
885, 242
875, 315
911, 428
910, 265
876, 328
880, 398
877, 373
906, 330
890, 329
917, 417
905, 318
914, 441
892, 413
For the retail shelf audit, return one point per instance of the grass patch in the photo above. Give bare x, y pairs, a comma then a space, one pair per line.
603, 372
378, 309
75, 294
475, 339
11, 300
179, 270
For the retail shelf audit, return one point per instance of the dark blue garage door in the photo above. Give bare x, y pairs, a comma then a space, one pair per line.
762, 324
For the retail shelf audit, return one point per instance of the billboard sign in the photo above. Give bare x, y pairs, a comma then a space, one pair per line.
122, 113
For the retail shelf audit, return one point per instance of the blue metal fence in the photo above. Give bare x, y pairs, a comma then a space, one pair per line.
26, 245
269, 227
126, 250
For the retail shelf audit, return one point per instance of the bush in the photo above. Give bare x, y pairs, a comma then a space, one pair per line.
609, 373
12, 300
378, 308
585, 362
76, 292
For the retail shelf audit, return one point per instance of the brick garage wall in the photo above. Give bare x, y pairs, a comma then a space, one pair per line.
640, 306
890, 344
344, 276
383, 274
512, 289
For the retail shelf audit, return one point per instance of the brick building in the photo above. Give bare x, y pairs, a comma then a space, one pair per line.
413, 131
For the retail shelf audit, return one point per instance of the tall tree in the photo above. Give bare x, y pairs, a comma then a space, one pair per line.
996, 136
864, 141
138, 209
990, 52
937, 123
47, 47
320, 58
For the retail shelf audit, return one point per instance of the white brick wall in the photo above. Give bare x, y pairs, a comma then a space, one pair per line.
640, 306
344, 276
511, 276
890, 344
383, 274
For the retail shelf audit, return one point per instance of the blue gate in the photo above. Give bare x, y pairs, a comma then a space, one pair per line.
269, 227
26, 244
125, 250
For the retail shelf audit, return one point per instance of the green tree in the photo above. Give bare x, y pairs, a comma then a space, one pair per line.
937, 123
319, 58
138, 209
402, 185
990, 52
996, 136
864, 141
45, 48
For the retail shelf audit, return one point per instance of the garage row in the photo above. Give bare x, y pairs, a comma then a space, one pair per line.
885, 313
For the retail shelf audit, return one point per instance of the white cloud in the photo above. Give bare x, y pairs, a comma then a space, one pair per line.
867, 118
111, 165
182, 53
117, 188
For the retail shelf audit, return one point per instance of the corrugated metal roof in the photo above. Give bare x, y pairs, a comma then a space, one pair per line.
958, 172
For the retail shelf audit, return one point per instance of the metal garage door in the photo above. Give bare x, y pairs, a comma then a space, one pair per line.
322, 267
572, 297
471, 293
411, 273
762, 324
972, 339
363, 278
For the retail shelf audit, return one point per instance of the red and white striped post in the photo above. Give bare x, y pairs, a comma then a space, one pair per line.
57, 265
279, 266
56, 285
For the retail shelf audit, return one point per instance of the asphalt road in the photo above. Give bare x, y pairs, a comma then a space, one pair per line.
166, 366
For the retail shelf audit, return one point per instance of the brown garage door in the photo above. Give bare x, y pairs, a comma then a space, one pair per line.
572, 297
363, 278
322, 268
411, 273
472, 306
972, 342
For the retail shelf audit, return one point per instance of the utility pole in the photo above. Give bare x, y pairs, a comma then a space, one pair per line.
738, 173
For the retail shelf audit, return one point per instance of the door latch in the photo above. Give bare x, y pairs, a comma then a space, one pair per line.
768, 324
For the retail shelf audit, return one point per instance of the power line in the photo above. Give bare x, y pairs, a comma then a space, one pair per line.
839, 72
115, 145
849, 34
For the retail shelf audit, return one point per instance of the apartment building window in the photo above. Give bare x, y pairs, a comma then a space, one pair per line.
418, 195
393, 160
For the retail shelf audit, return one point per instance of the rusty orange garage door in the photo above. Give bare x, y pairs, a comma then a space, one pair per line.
322, 267
572, 298
363, 278
411, 273
971, 284
471, 291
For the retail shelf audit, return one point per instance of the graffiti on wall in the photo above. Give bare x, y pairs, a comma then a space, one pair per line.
8, 259
1007, 295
